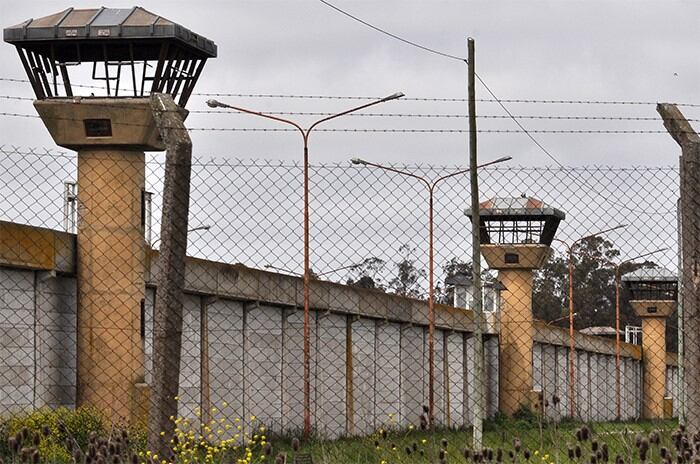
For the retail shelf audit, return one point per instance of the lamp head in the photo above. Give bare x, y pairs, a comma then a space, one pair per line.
358, 161
214, 103
502, 159
393, 96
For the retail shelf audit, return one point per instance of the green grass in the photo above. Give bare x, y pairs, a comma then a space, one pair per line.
546, 442
550, 441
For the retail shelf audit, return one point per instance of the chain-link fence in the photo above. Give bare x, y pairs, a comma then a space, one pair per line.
576, 259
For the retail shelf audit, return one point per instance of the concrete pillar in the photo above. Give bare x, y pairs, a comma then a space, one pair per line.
110, 136
110, 267
653, 315
516, 340
516, 264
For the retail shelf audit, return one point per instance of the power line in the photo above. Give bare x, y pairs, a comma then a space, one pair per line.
394, 36
523, 129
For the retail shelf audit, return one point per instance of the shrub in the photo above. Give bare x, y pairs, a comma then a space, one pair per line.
55, 428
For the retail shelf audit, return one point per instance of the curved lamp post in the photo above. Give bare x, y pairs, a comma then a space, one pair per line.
618, 404
572, 346
305, 133
431, 315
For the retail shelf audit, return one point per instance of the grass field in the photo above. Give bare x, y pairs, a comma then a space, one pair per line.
537, 443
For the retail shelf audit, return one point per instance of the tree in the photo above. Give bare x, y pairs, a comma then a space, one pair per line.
408, 279
594, 288
594, 285
367, 274
550, 289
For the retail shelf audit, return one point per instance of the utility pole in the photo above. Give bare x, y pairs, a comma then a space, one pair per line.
689, 282
476, 256
681, 334
167, 315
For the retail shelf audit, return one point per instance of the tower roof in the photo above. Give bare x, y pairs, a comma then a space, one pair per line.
106, 24
650, 274
515, 208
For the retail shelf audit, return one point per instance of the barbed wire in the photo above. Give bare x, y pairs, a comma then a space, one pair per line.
235, 162
389, 131
409, 115
370, 97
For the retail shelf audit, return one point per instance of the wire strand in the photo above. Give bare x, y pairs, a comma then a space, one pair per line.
394, 36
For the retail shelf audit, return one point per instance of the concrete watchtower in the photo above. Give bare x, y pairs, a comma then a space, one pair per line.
127, 54
654, 295
516, 234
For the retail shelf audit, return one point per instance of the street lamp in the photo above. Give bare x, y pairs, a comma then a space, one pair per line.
305, 133
194, 229
289, 271
560, 319
617, 325
431, 315
572, 347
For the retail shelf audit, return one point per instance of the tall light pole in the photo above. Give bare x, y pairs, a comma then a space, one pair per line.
618, 404
305, 133
431, 265
572, 346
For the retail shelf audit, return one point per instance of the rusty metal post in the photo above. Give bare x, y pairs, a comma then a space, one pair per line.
618, 395
167, 317
572, 341
307, 292
431, 315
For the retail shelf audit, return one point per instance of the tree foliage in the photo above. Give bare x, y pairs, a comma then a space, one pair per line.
408, 277
594, 261
367, 274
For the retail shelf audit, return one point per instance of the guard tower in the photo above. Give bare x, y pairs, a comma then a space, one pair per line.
123, 55
654, 295
516, 234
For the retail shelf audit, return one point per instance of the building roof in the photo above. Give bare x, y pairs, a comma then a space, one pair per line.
106, 24
465, 280
656, 274
518, 207
599, 331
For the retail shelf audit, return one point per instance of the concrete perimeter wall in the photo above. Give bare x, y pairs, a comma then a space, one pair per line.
595, 384
369, 354
243, 345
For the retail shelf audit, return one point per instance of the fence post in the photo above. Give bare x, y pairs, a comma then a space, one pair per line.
689, 141
167, 317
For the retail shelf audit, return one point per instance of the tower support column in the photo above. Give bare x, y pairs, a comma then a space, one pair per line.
110, 136
110, 270
516, 341
653, 314
516, 264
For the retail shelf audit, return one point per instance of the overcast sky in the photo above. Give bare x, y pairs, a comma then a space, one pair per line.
612, 50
